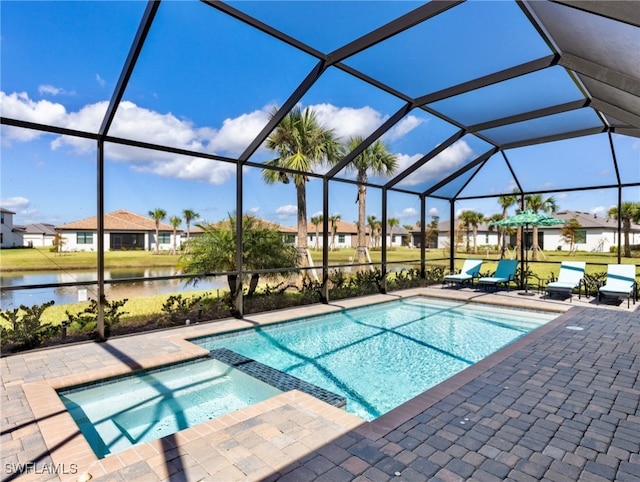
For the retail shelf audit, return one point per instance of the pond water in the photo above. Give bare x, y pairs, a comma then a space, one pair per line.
70, 294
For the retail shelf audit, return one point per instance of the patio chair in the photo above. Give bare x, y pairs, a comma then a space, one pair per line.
470, 270
505, 274
620, 283
570, 277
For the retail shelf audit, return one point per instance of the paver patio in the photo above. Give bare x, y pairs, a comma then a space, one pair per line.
560, 404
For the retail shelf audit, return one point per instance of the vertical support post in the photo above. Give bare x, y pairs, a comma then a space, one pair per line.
325, 240
523, 244
100, 241
383, 281
423, 237
619, 224
452, 235
238, 301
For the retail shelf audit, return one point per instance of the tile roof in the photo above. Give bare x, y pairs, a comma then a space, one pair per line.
40, 228
278, 227
118, 221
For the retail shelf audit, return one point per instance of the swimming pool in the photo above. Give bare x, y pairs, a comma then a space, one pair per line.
116, 414
380, 356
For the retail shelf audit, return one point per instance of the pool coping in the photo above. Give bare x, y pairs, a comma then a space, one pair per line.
65, 441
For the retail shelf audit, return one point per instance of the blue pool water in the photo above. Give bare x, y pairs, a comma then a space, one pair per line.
117, 414
382, 355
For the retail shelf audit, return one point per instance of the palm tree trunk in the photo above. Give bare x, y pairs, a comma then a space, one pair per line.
475, 239
362, 215
301, 194
253, 284
626, 228
534, 244
231, 280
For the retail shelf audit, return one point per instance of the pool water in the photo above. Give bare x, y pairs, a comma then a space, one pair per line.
115, 415
380, 356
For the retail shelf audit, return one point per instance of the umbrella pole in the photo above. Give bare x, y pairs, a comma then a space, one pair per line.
525, 276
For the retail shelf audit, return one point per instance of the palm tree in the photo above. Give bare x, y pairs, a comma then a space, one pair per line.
158, 215
629, 213
373, 223
471, 220
334, 229
215, 250
536, 203
189, 215
316, 221
175, 222
492, 219
506, 202
392, 223
301, 143
376, 160
432, 232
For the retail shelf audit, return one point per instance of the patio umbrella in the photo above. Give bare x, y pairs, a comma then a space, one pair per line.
525, 219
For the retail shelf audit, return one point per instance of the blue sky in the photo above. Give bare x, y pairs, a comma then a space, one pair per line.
207, 83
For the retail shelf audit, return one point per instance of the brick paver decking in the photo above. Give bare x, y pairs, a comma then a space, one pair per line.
561, 404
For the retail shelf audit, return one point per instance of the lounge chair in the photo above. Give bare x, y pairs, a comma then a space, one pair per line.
470, 270
505, 274
620, 283
570, 277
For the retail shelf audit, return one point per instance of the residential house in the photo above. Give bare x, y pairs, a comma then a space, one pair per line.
289, 234
123, 230
597, 233
39, 235
10, 235
346, 235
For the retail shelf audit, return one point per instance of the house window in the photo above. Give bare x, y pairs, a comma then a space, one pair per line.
341, 238
84, 238
289, 238
1, 218
164, 238
311, 237
581, 236
486, 239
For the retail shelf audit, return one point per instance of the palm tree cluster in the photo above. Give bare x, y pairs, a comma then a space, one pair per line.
303, 144
159, 214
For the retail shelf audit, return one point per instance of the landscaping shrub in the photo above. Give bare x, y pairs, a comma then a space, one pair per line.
27, 330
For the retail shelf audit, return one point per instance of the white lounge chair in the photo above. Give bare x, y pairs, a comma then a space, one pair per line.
505, 274
570, 277
620, 283
470, 270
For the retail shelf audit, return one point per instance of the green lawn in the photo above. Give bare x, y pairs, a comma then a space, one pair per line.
41, 259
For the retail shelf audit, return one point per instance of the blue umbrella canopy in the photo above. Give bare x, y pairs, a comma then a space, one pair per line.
528, 218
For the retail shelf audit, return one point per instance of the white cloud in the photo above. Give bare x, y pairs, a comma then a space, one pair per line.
15, 204
445, 163
254, 210
402, 128
286, 211
49, 89
599, 210
134, 122
408, 213
18, 105
100, 80
236, 134
433, 212
347, 121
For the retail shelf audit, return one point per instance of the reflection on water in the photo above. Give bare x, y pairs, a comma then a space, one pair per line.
70, 294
